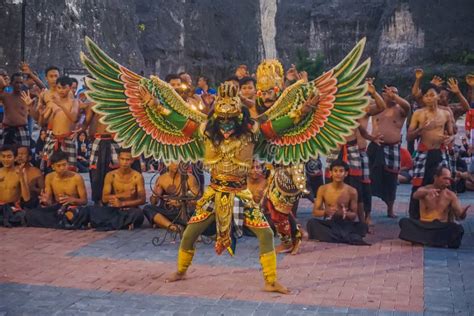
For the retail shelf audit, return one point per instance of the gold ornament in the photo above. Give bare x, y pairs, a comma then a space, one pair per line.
227, 103
270, 75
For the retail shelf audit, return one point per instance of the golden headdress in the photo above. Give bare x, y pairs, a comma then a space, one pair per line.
227, 102
270, 75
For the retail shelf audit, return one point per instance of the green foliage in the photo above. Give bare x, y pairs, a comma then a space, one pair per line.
141, 27
313, 66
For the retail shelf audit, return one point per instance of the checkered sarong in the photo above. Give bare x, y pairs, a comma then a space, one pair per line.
392, 157
364, 161
419, 163
21, 135
54, 143
349, 153
238, 215
96, 146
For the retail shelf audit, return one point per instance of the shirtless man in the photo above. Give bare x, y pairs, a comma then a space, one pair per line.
34, 177
452, 87
384, 158
61, 113
13, 189
339, 212
15, 119
124, 192
434, 127
103, 157
167, 213
436, 227
357, 159
61, 199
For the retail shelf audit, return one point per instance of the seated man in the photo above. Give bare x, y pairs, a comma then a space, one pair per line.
34, 177
61, 199
436, 227
124, 192
13, 189
340, 210
164, 212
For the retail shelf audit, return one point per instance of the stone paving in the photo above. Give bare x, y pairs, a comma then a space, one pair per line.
86, 272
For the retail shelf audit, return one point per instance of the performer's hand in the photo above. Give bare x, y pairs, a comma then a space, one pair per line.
292, 73
330, 211
432, 193
370, 85
419, 73
66, 199
26, 98
378, 139
470, 80
389, 92
25, 68
437, 81
429, 124
43, 198
453, 86
114, 201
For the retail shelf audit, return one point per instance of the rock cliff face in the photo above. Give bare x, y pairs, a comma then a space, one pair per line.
211, 37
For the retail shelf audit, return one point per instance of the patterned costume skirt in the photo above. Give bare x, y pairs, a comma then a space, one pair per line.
15, 135
103, 159
54, 143
233, 207
384, 164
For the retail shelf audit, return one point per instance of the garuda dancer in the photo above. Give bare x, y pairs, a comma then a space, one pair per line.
308, 119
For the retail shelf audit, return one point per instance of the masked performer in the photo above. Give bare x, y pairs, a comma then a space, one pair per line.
308, 119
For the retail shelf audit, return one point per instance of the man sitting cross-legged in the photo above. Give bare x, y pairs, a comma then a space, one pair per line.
124, 192
436, 226
13, 189
164, 212
34, 177
340, 211
61, 199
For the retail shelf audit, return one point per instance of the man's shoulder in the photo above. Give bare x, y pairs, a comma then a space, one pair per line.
350, 189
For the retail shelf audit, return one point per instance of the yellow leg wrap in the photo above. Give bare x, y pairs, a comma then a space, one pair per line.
185, 257
269, 266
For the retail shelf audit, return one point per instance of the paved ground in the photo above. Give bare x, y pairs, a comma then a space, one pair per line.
85, 272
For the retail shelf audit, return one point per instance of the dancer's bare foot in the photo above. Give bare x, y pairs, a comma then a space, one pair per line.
276, 287
175, 277
131, 227
391, 215
283, 248
296, 247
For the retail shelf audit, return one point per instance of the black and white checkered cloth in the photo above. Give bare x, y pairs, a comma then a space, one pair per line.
94, 158
364, 161
65, 144
419, 163
353, 158
21, 135
392, 157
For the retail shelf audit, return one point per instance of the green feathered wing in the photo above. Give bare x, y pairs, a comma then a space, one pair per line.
343, 99
119, 97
